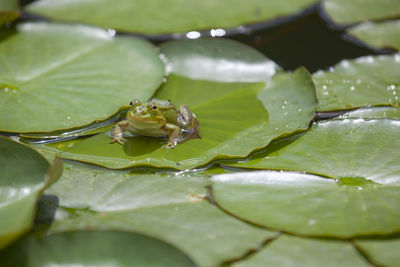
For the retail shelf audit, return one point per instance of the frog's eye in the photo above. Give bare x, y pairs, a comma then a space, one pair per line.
131, 103
154, 107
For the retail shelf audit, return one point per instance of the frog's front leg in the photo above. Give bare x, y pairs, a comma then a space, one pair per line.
118, 130
175, 134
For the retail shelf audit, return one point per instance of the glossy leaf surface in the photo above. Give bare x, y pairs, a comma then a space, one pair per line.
161, 16
105, 248
297, 251
235, 119
353, 11
370, 80
80, 75
310, 205
340, 148
171, 208
22, 179
220, 60
379, 34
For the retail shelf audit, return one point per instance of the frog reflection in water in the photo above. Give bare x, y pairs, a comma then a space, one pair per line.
158, 118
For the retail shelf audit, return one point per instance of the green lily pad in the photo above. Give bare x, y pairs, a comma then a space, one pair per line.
24, 174
370, 80
170, 207
9, 10
384, 252
94, 249
310, 205
340, 148
297, 251
378, 35
80, 75
219, 60
374, 113
166, 16
353, 11
235, 119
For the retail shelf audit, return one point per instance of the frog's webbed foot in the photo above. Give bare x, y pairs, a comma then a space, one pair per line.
118, 131
118, 139
174, 135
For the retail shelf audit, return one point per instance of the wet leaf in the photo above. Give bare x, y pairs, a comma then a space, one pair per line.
9, 10
23, 176
374, 113
168, 207
378, 34
310, 205
94, 249
235, 119
297, 251
353, 11
80, 75
340, 148
370, 80
384, 252
220, 60
166, 16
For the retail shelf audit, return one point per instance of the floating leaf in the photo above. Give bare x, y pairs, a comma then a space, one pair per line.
93, 249
379, 35
166, 16
22, 179
355, 83
219, 60
384, 252
374, 113
297, 251
310, 205
9, 10
340, 148
168, 207
79, 75
353, 11
235, 119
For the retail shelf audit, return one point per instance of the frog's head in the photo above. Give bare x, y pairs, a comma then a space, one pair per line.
145, 113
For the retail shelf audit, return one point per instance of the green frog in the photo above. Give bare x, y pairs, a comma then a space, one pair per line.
158, 118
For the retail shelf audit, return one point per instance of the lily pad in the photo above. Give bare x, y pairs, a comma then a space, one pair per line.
370, 80
374, 113
340, 148
24, 174
297, 251
378, 35
219, 60
166, 16
353, 11
94, 249
235, 119
169, 207
310, 205
384, 252
80, 75
9, 10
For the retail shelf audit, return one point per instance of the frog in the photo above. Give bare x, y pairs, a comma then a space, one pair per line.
158, 118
